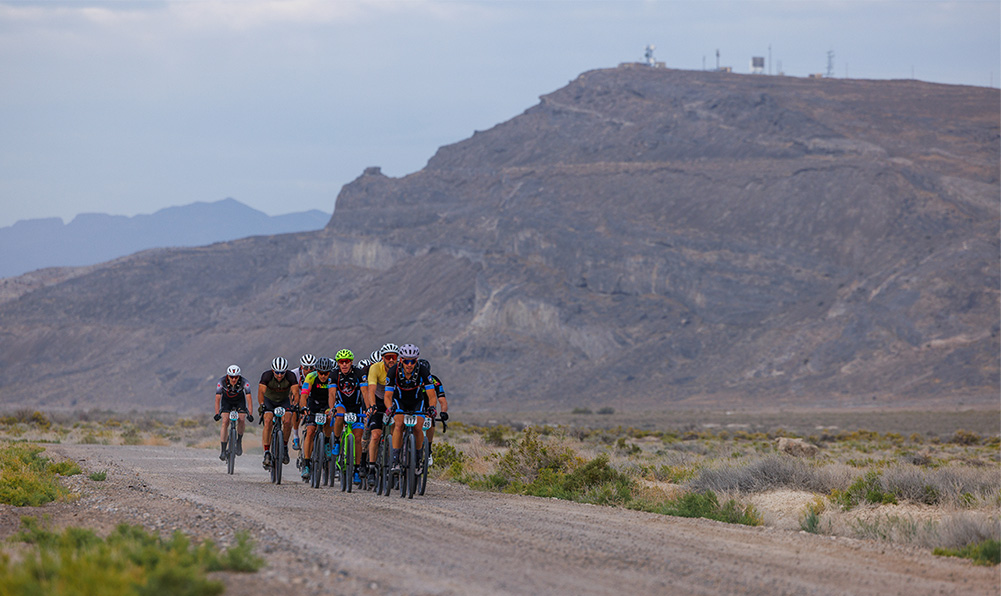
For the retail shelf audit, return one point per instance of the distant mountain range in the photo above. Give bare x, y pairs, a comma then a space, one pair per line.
642, 238
93, 238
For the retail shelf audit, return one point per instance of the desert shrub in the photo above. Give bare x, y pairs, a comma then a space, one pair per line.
445, 454
530, 455
759, 475
965, 437
495, 436
809, 520
607, 410
128, 561
867, 489
98, 476
26, 478
581, 411
706, 505
65, 468
987, 552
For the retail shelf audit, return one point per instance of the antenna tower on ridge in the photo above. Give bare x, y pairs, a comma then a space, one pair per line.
830, 64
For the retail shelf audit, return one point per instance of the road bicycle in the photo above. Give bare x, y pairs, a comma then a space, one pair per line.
407, 480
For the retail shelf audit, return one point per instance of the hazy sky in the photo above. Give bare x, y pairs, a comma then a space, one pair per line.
129, 106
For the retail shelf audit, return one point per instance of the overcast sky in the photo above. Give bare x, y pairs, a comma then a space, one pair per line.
129, 106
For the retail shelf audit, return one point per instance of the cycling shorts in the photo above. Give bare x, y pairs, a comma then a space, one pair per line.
228, 404
269, 406
402, 403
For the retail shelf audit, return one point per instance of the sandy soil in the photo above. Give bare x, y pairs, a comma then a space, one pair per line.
457, 541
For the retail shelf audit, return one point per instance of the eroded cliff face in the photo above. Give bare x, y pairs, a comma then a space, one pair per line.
641, 237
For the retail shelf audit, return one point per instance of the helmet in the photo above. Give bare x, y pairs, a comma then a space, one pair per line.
363, 363
389, 349
279, 364
324, 365
375, 356
344, 355
408, 351
424, 363
307, 360
233, 371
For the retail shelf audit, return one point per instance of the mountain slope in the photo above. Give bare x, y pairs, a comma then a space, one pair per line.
92, 238
640, 238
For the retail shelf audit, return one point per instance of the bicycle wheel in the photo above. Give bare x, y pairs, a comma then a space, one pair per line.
331, 468
316, 460
349, 463
411, 447
387, 464
277, 454
423, 481
231, 449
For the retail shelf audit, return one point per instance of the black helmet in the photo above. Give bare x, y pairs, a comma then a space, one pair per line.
324, 365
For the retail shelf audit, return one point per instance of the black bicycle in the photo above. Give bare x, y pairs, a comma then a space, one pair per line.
318, 472
278, 448
234, 415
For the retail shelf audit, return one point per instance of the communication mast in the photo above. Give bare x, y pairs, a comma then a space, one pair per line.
830, 64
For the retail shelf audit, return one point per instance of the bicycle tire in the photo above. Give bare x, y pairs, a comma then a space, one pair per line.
423, 482
411, 447
331, 464
387, 464
349, 462
231, 449
316, 459
278, 455
404, 463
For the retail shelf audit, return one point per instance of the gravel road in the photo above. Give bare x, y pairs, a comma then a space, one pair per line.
457, 541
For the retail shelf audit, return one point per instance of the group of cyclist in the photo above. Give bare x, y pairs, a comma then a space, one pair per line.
394, 380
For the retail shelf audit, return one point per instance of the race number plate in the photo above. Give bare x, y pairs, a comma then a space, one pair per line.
351, 418
409, 419
234, 415
321, 418
427, 422
279, 411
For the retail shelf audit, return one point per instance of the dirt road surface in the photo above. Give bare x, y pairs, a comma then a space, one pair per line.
458, 541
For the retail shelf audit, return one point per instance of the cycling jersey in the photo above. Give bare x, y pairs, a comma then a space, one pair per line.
277, 391
409, 391
348, 388
377, 380
439, 389
316, 392
234, 395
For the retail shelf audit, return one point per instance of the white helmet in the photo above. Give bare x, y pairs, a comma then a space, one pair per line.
279, 364
409, 351
233, 371
307, 360
389, 348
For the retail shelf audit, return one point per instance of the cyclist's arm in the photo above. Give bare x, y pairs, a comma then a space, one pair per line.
442, 402
250, 399
260, 394
388, 398
432, 397
218, 402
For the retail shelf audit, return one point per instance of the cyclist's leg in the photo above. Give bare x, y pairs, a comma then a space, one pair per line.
357, 432
266, 434
338, 426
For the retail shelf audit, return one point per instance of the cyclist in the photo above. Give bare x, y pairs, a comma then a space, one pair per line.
348, 398
316, 397
232, 392
405, 380
376, 405
442, 412
278, 387
307, 364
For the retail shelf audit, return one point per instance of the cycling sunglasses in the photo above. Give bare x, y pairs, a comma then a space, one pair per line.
409, 361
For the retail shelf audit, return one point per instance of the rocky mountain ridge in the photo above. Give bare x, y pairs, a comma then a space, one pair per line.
643, 238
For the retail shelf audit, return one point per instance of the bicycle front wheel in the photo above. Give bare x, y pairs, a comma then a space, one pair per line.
231, 449
411, 447
316, 460
423, 482
277, 454
349, 462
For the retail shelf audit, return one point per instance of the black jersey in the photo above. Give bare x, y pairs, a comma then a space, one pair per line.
275, 390
230, 390
409, 387
349, 393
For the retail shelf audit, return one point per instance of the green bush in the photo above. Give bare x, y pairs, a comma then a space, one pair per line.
606, 411
99, 476
129, 561
581, 411
867, 489
26, 478
705, 505
987, 552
